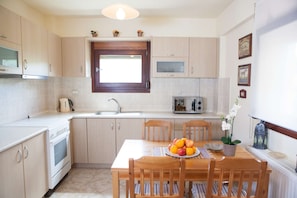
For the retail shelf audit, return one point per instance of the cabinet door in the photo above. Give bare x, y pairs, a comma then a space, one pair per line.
203, 58
54, 54
11, 173
170, 46
79, 143
35, 166
73, 53
101, 141
170, 67
34, 44
10, 28
128, 129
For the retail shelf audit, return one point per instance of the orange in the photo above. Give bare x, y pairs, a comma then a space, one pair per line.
189, 151
179, 143
173, 149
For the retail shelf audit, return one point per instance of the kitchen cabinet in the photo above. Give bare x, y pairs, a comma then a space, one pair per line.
79, 143
54, 54
23, 169
10, 28
170, 47
128, 129
35, 50
101, 140
203, 57
75, 53
97, 140
170, 56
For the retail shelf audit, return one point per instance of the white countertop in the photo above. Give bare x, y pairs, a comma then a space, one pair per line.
11, 136
14, 133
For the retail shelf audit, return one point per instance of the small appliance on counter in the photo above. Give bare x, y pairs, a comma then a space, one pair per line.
187, 104
65, 105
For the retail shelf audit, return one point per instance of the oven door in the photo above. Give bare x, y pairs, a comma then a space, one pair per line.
59, 153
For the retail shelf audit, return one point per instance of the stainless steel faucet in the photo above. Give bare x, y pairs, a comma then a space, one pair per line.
119, 107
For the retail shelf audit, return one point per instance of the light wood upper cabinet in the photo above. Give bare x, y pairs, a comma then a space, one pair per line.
170, 56
74, 58
54, 54
170, 46
203, 57
35, 50
23, 169
10, 28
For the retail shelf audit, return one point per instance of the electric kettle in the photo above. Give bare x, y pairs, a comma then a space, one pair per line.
66, 105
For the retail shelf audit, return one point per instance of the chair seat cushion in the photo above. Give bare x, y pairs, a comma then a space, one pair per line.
199, 190
156, 189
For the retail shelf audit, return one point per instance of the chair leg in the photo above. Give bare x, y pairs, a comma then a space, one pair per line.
127, 188
190, 189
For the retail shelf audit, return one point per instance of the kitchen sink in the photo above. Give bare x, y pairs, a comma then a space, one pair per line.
124, 113
106, 113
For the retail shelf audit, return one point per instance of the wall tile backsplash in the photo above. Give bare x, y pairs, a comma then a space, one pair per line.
20, 98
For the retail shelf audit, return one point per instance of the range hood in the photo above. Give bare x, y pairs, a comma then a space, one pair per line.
23, 76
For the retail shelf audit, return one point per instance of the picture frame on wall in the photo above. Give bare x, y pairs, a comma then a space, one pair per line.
245, 46
244, 75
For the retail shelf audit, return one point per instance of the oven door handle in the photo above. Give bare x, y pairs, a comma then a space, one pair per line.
59, 137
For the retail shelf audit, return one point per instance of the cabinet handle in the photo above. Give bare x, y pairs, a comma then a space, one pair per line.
112, 126
3, 69
50, 67
19, 156
26, 152
25, 64
119, 126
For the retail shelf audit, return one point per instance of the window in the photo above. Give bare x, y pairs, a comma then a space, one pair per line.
121, 66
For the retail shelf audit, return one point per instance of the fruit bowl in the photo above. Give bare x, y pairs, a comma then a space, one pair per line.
182, 148
197, 153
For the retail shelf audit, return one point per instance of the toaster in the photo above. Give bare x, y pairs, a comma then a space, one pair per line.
187, 104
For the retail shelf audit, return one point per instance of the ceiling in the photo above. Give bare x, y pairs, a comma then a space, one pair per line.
147, 8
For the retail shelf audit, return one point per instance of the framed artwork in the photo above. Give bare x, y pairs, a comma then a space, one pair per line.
245, 46
242, 93
244, 75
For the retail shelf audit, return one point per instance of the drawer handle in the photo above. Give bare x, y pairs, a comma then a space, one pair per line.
19, 156
26, 152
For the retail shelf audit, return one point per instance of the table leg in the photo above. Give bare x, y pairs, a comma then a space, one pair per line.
115, 184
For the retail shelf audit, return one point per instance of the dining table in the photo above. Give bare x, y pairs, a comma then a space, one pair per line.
196, 166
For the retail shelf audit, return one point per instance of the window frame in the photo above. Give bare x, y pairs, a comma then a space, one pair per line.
120, 48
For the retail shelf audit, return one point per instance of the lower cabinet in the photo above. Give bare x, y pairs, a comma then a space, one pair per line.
97, 140
23, 171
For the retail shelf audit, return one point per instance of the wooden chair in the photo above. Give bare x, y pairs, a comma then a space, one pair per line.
157, 130
156, 176
197, 130
231, 177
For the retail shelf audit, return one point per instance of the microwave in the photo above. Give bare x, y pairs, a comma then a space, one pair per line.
10, 58
187, 104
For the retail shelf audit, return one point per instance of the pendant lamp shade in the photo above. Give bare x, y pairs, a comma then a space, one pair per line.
120, 12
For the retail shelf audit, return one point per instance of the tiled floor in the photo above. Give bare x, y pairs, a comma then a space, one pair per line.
87, 183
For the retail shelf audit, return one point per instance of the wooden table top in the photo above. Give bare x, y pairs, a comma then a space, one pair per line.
138, 148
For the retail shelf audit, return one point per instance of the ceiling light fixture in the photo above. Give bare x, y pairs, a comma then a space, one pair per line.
120, 12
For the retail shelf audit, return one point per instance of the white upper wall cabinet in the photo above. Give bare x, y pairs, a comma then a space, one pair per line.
74, 57
10, 28
170, 46
54, 54
203, 57
35, 51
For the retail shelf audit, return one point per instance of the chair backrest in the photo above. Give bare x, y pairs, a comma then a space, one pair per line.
236, 177
157, 130
157, 176
197, 130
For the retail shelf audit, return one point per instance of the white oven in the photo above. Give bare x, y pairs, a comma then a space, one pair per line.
59, 156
